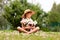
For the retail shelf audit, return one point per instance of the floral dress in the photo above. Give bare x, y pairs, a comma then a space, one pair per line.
28, 21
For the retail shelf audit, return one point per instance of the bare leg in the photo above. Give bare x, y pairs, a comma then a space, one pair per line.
21, 29
29, 27
34, 30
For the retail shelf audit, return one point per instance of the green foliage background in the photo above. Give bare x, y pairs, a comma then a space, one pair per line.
54, 18
17, 7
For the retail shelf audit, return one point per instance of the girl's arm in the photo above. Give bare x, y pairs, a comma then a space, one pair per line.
22, 22
22, 25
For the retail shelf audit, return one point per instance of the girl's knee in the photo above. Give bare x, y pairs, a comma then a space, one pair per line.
37, 28
18, 27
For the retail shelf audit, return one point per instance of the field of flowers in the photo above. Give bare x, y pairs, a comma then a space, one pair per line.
41, 35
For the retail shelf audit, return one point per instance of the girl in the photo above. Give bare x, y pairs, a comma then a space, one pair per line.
28, 25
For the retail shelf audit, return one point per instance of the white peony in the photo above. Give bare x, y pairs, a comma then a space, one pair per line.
35, 22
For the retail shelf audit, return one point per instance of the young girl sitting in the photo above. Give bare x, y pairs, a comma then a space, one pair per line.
28, 25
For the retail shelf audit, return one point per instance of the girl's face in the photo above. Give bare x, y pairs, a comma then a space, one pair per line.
28, 15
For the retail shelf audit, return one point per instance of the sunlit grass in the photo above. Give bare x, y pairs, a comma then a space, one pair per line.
15, 35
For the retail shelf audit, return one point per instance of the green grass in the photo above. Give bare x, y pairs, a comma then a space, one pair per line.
15, 35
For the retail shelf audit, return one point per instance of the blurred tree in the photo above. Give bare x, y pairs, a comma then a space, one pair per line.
54, 13
54, 17
4, 24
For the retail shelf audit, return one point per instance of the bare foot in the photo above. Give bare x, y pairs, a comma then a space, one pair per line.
28, 33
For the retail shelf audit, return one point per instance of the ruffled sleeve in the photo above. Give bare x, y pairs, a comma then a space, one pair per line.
23, 20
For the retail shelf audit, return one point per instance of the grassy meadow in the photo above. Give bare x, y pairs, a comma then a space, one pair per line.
41, 35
